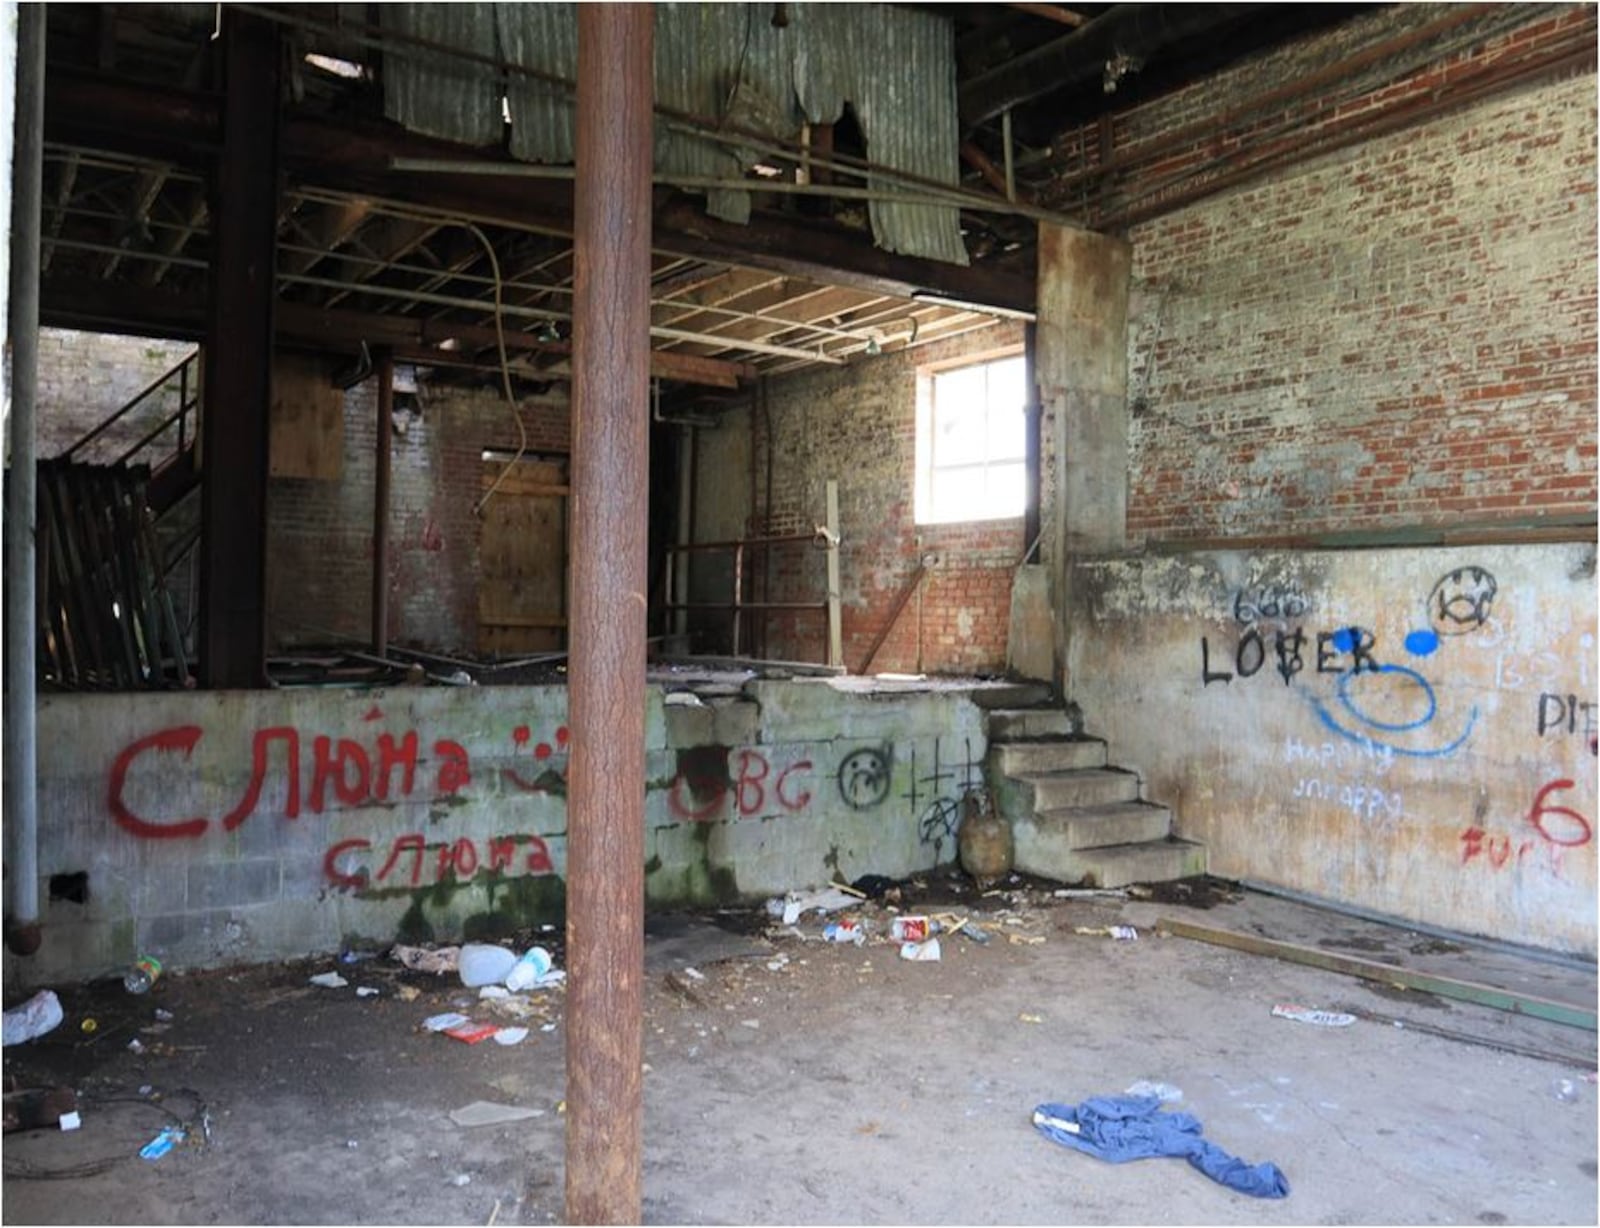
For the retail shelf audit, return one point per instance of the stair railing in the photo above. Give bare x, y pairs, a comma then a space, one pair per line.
187, 376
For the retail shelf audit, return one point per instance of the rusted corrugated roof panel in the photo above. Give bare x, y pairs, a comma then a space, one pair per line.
543, 117
725, 63
444, 97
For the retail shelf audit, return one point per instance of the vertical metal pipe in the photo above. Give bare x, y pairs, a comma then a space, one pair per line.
835, 625
678, 584
1030, 445
1011, 160
610, 504
380, 503
738, 593
21, 732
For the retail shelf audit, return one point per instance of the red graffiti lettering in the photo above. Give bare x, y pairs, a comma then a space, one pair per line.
180, 738
455, 771
258, 775
413, 843
501, 851
334, 766
539, 857
1499, 850
1472, 839
330, 864
459, 860
709, 787
1571, 830
800, 800
390, 757
749, 791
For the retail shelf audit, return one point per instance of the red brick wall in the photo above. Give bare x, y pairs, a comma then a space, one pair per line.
857, 425
1398, 333
319, 550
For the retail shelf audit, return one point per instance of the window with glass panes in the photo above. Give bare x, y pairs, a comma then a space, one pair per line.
970, 442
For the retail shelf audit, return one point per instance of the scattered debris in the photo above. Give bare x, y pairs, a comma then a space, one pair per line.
796, 904
1164, 1092
162, 1143
1025, 1017
510, 1036
877, 887
329, 980
750, 1023
483, 964
1025, 940
420, 959
367, 991
356, 957
1085, 893
439, 1023
70, 1121
1121, 933
488, 1113
471, 1032
534, 970
146, 971
136, 1047
921, 952
910, 929
1564, 1090
33, 1108
38, 1015
407, 993
461, 1179
164, 1016
1305, 1014
680, 985
845, 931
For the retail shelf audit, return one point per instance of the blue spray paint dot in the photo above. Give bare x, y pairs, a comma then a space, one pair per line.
1421, 643
1344, 639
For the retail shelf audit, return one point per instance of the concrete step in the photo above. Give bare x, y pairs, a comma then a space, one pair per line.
1154, 861
1083, 787
1019, 724
1050, 755
1075, 828
1012, 695
1116, 865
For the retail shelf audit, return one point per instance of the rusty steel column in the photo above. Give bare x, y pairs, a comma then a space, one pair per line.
380, 503
610, 480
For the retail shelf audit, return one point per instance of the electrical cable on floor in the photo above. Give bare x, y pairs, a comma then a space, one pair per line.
199, 1119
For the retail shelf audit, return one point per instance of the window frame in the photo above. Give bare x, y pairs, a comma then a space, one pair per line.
924, 511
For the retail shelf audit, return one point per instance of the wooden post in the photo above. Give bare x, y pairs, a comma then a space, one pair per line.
610, 513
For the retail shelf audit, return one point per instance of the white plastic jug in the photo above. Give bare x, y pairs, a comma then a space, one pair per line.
482, 964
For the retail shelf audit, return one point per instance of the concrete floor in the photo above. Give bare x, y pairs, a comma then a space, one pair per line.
846, 1086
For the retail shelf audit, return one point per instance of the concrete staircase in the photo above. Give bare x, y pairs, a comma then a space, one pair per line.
1073, 817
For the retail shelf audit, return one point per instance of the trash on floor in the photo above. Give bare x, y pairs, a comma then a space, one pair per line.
38, 1015
162, 1143
1121, 933
367, 991
488, 1113
1164, 1092
146, 971
877, 887
70, 1121
450, 1019
510, 1036
793, 906
471, 1032
329, 980
1123, 1128
1089, 893
921, 952
1305, 1014
534, 970
483, 964
845, 931
1025, 1017
35, 1107
421, 959
910, 929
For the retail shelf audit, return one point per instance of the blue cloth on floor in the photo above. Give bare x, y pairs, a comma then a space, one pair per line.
1121, 1128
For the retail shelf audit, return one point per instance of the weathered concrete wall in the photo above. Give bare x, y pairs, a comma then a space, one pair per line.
1409, 730
247, 826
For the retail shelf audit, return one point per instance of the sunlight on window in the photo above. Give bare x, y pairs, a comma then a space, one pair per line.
970, 442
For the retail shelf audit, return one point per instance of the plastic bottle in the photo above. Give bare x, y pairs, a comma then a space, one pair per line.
528, 971
146, 971
484, 964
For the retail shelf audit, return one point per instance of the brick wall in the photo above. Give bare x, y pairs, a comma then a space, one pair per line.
857, 425
1398, 333
86, 377
319, 551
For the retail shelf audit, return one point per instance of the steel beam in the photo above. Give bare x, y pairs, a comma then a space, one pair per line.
238, 357
605, 798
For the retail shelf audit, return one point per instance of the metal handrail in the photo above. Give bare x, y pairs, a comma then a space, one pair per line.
184, 405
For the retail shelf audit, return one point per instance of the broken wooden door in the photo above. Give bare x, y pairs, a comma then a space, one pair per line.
522, 585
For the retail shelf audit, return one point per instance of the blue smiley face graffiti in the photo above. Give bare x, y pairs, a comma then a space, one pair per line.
1396, 706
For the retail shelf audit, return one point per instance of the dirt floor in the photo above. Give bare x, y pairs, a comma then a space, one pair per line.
800, 1082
